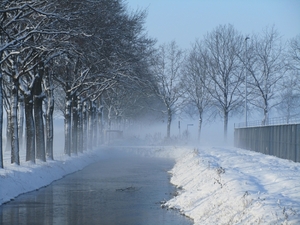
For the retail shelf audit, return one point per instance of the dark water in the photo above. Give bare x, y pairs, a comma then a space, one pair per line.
119, 189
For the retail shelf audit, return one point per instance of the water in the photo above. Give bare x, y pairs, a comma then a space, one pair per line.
119, 189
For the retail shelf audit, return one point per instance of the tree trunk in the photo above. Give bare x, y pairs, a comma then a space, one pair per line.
107, 134
74, 124
266, 113
95, 125
8, 130
199, 127
68, 124
225, 125
169, 123
49, 115
30, 128
90, 126
100, 117
80, 126
21, 119
38, 114
1, 120
84, 127
14, 123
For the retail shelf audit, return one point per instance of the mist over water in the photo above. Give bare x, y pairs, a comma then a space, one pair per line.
154, 133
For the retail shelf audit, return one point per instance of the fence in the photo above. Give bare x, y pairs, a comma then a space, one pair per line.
279, 140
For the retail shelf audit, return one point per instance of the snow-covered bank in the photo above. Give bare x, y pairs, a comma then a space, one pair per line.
216, 185
234, 186
16, 180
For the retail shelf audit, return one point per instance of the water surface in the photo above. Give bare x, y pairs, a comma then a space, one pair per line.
119, 189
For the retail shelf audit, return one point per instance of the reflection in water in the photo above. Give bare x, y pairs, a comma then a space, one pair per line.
117, 190
29, 209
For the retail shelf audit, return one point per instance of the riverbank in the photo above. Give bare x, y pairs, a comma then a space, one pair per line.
19, 179
120, 188
234, 186
217, 185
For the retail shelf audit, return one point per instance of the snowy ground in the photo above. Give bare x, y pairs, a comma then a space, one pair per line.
216, 185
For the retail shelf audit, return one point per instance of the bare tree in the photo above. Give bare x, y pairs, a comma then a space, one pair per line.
266, 68
294, 52
91, 58
195, 81
1, 116
289, 97
224, 70
109, 47
293, 56
167, 74
23, 25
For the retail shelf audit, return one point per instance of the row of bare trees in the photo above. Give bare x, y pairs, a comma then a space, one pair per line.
78, 56
93, 61
215, 75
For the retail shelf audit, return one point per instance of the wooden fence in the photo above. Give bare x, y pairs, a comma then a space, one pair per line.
279, 140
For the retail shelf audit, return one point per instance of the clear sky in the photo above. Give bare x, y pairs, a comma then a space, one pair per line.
186, 20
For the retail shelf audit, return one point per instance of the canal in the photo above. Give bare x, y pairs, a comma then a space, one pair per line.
119, 189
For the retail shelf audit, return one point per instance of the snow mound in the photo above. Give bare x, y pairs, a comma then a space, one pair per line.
234, 186
19, 179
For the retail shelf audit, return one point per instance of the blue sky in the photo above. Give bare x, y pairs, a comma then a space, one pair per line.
186, 20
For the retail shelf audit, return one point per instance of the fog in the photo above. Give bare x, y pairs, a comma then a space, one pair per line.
153, 132
196, 166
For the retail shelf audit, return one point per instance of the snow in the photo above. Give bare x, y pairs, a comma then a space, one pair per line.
233, 186
16, 180
216, 185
